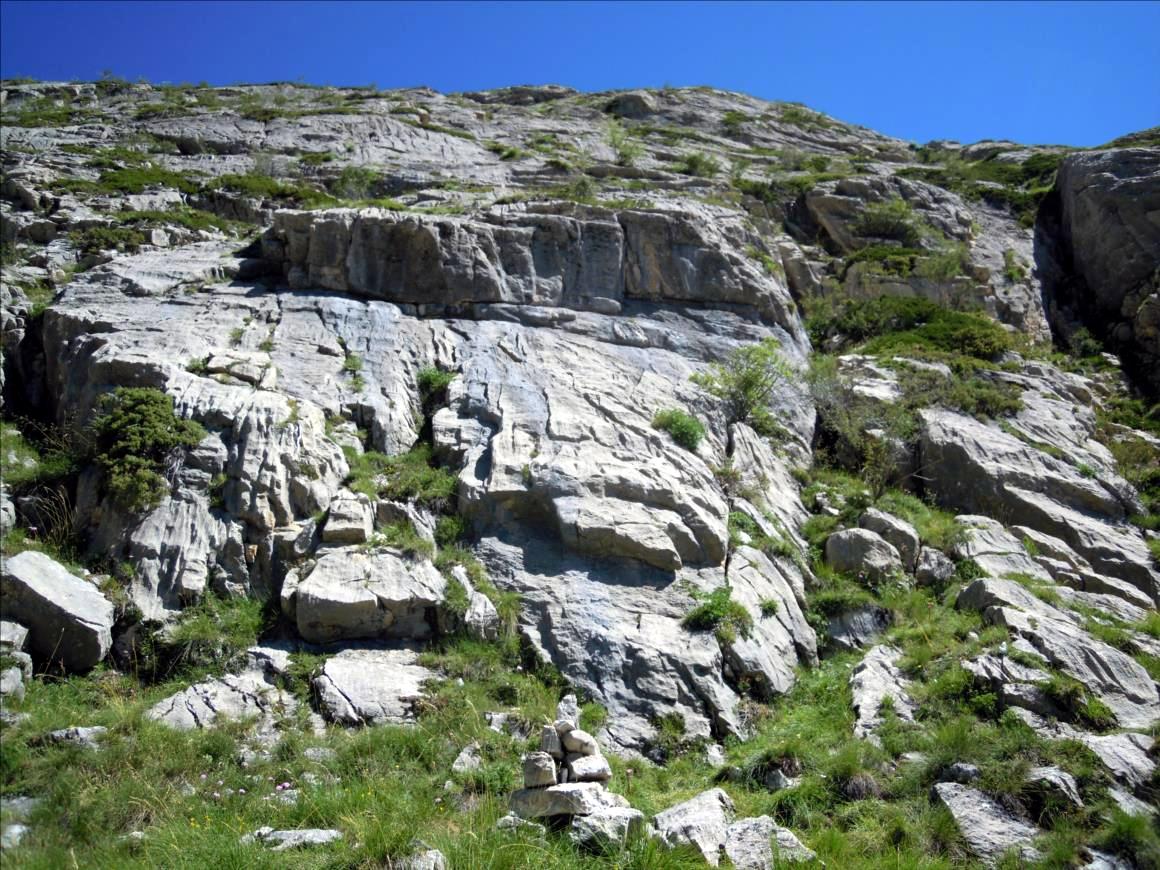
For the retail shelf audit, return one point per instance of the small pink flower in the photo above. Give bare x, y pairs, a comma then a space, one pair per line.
285, 785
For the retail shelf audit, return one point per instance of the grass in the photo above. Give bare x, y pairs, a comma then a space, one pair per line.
404, 477
189, 218
719, 613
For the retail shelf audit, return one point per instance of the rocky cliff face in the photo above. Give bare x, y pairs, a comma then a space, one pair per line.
429, 341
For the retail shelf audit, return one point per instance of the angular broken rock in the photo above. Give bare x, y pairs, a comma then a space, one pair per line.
68, 619
872, 682
550, 742
428, 859
988, 830
606, 829
214, 700
351, 594
862, 552
702, 821
1056, 780
589, 768
371, 686
539, 770
568, 799
750, 844
580, 742
894, 531
934, 568
467, 760
89, 738
349, 519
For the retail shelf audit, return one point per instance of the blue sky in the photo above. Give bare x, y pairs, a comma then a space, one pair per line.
1071, 73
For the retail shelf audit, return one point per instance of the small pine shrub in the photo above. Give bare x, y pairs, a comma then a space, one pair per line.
684, 428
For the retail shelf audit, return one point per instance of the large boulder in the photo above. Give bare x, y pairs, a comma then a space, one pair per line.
567, 799
69, 620
863, 553
897, 532
354, 594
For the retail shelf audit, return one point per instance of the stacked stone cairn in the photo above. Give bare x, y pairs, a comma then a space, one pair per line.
565, 783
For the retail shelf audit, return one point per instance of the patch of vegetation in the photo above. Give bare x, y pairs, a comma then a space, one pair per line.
733, 121
890, 219
1013, 270
684, 428
96, 238
803, 117
719, 613
506, 152
402, 536
138, 436
189, 218
627, 149
433, 382
700, 165
267, 187
746, 383
406, 477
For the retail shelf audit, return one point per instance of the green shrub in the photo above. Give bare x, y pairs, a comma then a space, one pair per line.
891, 219
137, 432
700, 165
94, 239
1013, 270
684, 428
402, 536
449, 529
746, 382
732, 121
770, 606
408, 476
433, 381
718, 612
950, 262
628, 151
352, 364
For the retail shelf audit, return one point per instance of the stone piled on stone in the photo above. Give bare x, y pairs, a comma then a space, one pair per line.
567, 776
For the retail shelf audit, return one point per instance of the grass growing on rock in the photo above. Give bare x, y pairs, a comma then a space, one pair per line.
684, 428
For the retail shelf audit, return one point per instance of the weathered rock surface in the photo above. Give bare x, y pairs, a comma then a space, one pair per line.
896, 532
69, 620
568, 799
232, 697
371, 686
988, 829
351, 594
281, 841
862, 552
606, 829
875, 680
761, 844
702, 821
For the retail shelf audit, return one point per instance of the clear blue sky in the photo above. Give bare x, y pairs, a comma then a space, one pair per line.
1072, 73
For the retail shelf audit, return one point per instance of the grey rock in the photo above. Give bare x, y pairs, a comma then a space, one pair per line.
550, 742
87, 738
589, 768
899, 533
512, 822
761, 844
876, 679
371, 686
568, 799
12, 683
229, 698
988, 830
1129, 803
607, 829
352, 594
468, 759
13, 635
1056, 780
349, 519
568, 710
853, 629
934, 568
281, 841
13, 834
68, 619
1107, 199
580, 742
702, 821
539, 770
428, 859
862, 552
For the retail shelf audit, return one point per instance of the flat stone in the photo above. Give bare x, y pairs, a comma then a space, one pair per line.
760, 844
988, 830
550, 742
88, 738
876, 679
371, 687
281, 841
568, 799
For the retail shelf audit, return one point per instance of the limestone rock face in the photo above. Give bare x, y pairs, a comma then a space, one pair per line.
872, 682
1108, 202
350, 594
987, 828
213, 701
69, 620
761, 844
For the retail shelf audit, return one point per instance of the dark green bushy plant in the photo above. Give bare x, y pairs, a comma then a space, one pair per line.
684, 428
137, 432
746, 383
